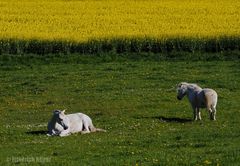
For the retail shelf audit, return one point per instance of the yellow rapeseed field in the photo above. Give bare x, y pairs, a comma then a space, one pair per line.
81, 20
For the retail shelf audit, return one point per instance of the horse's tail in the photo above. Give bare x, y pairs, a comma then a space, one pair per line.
101, 130
94, 129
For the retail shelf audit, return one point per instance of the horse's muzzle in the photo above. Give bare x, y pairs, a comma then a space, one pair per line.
179, 98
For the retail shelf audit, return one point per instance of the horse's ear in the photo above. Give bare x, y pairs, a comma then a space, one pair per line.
63, 111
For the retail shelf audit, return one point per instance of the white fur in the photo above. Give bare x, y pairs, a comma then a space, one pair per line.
199, 98
64, 125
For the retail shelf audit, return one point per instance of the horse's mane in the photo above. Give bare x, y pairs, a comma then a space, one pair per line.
194, 86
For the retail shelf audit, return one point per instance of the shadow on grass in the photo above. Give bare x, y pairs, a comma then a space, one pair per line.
168, 119
39, 132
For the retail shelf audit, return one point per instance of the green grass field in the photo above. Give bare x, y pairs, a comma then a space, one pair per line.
135, 101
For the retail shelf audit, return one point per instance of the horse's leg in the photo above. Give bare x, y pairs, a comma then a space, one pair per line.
52, 133
86, 127
85, 132
214, 111
210, 113
195, 116
64, 133
199, 114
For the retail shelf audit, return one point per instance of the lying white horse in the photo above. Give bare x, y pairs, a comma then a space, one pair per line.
199, 98
64, 125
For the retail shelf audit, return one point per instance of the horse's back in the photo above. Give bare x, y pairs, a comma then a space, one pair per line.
74, 116
79, 117
210, 92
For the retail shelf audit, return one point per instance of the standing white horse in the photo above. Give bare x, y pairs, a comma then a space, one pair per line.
64, 125
199, 98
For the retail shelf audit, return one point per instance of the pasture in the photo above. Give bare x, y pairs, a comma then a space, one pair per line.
135, 101
118, 61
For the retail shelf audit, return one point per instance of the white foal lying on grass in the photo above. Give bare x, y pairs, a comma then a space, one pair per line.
199, 98
64, 125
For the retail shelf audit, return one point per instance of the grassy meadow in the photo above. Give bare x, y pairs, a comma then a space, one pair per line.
135, 101
119, 61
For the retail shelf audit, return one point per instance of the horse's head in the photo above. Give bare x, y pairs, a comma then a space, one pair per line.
61, 118
181, 90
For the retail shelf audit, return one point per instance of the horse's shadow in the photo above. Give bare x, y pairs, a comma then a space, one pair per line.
167, 119
38, 132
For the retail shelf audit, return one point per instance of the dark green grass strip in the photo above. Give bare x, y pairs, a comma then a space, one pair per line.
122, 45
